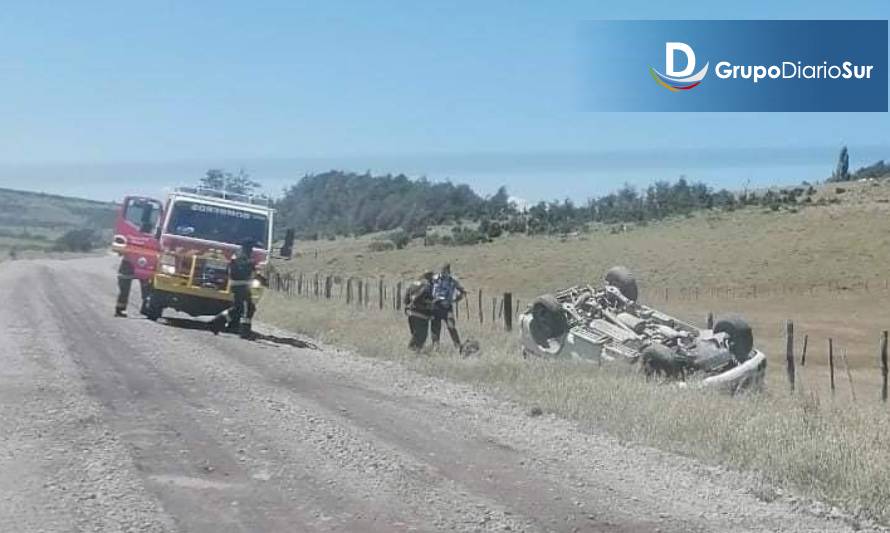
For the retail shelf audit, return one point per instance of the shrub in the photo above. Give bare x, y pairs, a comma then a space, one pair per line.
494, 230
381, 246
77, 240
399, 238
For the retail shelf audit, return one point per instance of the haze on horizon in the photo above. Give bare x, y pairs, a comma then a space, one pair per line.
101, 99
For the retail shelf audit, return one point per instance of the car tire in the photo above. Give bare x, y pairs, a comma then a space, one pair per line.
548, 319
659, 360
621, 278
741, 338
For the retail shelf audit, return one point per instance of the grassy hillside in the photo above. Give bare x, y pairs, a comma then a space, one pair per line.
825, 267
31, 221
846, 241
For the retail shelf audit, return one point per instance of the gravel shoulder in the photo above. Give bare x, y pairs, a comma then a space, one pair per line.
128, 425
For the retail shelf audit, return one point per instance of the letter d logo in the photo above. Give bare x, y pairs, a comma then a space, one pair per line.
678, 80
669, 52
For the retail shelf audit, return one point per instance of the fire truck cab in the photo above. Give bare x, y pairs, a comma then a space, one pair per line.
182, 248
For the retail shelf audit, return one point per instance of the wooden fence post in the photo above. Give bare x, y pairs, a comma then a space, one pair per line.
367, 294
348, 290
481, 317
494, 308
361, 291
849, 375
803, 355
300, 284
508, 311
399, 296
328, 285
831, 363
789, 352
884, 366
380, 293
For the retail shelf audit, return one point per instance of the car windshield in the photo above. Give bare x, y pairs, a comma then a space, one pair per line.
216, 223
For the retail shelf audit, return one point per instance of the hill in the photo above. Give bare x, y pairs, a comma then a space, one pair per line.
34, 221
825, 266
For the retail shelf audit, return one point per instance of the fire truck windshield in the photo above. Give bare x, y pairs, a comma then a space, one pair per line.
218, 223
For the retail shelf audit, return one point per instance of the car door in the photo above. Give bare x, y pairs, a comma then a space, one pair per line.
135, 237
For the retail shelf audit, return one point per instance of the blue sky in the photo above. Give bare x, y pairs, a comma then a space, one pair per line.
102, 98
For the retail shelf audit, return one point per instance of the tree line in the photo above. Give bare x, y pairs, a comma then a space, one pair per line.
345, 203
337, 203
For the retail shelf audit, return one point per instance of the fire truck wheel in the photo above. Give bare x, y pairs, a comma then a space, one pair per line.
154, 308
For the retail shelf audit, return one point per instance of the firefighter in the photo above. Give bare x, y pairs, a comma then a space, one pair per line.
419, 306
447, 291
241, 277
125, 276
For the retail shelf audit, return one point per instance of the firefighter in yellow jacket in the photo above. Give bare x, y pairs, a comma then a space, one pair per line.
241, 276
418, 302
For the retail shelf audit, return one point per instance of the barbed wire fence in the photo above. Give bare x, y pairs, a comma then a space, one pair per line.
500, 310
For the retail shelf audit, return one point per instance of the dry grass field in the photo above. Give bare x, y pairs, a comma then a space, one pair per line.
825, 267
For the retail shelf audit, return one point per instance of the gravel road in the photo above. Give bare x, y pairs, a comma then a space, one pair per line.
128, 425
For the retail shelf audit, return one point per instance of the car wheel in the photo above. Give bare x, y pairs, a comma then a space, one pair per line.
621, 278
548, 319
741, 338
659, 360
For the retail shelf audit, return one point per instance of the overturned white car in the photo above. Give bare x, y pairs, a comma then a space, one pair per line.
606, 324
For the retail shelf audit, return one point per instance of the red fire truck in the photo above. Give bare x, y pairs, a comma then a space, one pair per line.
181, 248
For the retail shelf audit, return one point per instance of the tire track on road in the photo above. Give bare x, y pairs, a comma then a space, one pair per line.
200, 480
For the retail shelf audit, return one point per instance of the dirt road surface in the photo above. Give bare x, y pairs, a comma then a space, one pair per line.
129, 425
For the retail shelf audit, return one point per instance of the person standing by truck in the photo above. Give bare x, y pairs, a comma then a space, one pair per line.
447, 291
125, 276
241, 278
419, 307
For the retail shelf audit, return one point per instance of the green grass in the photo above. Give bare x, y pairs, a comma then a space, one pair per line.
822, 450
